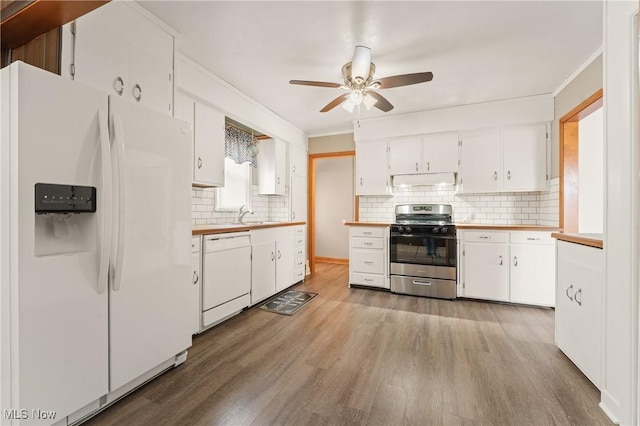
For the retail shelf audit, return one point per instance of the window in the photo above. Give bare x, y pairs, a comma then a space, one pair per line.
240, 158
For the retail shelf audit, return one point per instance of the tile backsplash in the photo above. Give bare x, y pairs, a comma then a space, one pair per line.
265, 207
510, 208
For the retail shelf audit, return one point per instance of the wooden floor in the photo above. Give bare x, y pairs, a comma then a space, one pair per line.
355, 356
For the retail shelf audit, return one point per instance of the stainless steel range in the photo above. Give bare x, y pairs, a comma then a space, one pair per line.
423, 251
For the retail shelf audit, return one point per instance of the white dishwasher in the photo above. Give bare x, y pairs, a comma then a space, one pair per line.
226, 276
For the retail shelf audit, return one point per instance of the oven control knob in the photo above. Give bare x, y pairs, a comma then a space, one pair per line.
407, 230
401, 229
443, 230
435, 230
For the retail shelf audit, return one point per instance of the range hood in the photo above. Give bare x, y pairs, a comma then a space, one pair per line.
424, 179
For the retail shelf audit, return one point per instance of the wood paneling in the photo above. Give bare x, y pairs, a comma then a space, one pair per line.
23, 21
42, 52
358, 356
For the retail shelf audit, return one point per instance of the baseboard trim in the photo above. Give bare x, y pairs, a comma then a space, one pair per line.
337, 260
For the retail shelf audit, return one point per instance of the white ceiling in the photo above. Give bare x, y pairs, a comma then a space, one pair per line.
477, 50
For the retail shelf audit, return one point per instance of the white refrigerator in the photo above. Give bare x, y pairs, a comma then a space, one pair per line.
95, 255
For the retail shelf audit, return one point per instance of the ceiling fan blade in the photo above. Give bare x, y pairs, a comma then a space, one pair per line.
382, 103
361, 63
315, 83
334, 103
403, 80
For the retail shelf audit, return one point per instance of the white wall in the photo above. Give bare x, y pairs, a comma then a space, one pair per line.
620, 391
334, 203
591, 173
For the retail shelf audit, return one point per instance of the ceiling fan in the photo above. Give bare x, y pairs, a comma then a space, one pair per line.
358, 79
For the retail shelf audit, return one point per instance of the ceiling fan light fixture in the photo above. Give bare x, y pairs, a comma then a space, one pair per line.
348, 106
355, 98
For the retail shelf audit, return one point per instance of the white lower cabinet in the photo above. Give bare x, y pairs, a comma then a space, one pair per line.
579, 321
196, 288
299, 252
507, 266
273, 265
368, 256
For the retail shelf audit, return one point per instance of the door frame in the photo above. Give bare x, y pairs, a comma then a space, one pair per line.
312, 200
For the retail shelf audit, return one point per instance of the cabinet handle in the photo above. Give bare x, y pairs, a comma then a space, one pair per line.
575, 296
279, 254
360, 181
294, 169
416, 167
567, 292
421, 282
118, 85
367, 232
293, 215
368, 280
368, 262
137, 88
196, 278
483, 237
273, 256
508, 174
199, 162
533, 239
515, 260
501, 260
368, 244
278, 180
495, 175
428, 166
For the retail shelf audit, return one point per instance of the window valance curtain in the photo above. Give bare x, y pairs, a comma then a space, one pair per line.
239, 145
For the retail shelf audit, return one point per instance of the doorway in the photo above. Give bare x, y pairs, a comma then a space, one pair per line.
331, 202
582, 167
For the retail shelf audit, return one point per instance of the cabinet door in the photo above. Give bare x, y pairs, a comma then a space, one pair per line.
195, 293
298, 199
208, 146
372, 177
150, 81
524, 158
481, 161
533, 274
284, 263
272, 169
405, 156
281, 166
486, 271
263, 271
101, 59
440, 153
299, 161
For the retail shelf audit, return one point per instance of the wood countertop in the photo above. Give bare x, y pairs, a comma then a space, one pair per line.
506, 227
591, 240
226, 228
380, 224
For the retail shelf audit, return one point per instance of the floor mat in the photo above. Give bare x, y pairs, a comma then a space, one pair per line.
288, 303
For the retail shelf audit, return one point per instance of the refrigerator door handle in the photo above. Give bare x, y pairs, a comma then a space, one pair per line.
122, 190
107, 187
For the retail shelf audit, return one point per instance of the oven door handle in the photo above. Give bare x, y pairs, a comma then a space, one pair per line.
416, 282
435, 237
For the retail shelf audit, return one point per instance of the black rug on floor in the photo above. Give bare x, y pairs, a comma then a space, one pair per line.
288, 303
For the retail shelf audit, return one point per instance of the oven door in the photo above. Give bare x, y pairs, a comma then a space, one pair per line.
423, 255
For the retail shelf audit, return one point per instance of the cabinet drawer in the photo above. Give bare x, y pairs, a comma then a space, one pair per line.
299, 275
298, 241
372, 243
299, 263
369, 261
298, 230
195, 244
357, 231
372, 280
522, 237
298, 253
486, 237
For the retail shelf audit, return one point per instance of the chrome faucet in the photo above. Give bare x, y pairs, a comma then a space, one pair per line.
242, 213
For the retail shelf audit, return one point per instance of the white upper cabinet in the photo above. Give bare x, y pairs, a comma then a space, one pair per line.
506, 159
208, 140
372, 177
272, 167
481, 161
299, 161
121, 52
405, 156
436, 153
524, 157
440, 153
